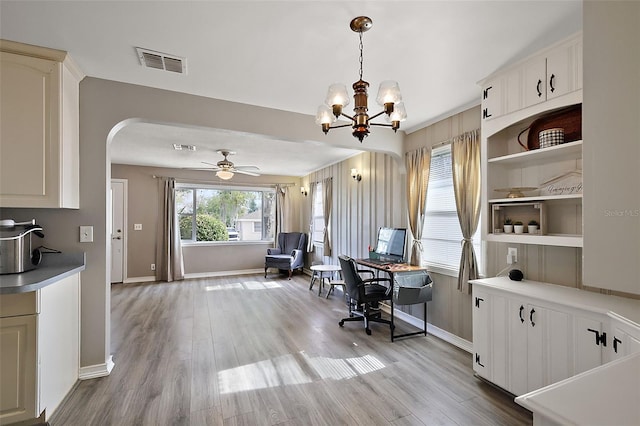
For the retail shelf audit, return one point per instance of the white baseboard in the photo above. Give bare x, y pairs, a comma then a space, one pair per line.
223, 273
448, 337
139, 280
98, 370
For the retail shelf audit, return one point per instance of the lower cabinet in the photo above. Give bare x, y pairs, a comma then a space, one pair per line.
39, 349
523, 342
528, 345
18, 376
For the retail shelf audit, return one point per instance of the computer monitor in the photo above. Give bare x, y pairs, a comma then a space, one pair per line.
391, 244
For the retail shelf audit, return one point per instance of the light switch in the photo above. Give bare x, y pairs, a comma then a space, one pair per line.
86, 234
137, 227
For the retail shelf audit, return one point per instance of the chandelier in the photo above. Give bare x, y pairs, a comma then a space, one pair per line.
389, 98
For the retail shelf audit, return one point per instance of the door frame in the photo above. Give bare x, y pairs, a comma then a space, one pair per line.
125, 232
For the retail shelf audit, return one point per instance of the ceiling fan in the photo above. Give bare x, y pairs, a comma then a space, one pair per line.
225, 169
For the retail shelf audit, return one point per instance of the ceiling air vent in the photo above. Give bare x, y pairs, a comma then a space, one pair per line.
162, 61
180, 147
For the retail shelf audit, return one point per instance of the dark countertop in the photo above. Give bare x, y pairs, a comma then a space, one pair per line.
54, 267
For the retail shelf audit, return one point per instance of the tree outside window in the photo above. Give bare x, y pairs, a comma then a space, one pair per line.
216, 214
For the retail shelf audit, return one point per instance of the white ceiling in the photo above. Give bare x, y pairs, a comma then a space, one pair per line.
284, 55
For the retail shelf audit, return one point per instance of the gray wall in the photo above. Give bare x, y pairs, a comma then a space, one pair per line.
143, 207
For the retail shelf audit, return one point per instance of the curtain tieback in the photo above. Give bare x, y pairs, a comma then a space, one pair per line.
418, 243
466, 240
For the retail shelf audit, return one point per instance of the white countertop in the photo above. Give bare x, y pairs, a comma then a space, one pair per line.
581, 299
607, 395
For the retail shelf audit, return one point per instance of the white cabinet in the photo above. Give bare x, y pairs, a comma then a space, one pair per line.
492, 99
528, 335
39, 349
39, 112
18, 378
544, 82
553, 74
519, 346
548, 74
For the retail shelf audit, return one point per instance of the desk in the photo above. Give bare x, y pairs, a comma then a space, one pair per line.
321, 270
391, 269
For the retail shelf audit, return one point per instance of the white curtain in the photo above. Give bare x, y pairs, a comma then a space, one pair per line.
310, 198
169, 261
418, 164
327, 197
281, 194
465, 162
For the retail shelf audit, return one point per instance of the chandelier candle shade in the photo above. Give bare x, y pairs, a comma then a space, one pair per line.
389, 98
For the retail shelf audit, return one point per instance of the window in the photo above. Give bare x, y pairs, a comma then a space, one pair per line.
441, 234
318, 215
222, 214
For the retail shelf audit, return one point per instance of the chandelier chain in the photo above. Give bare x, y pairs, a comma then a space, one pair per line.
361, 60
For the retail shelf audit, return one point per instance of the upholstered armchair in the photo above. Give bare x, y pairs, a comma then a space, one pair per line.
289, 254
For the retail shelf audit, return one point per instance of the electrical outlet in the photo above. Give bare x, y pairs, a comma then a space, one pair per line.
512, 255
137, 227
153, 266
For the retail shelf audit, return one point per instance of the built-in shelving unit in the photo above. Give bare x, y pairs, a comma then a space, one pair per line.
548, 179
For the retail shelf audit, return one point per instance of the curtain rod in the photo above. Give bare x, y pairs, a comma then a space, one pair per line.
286, 184
449, 141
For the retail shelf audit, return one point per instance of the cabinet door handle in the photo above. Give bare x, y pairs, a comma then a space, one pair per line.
478, 300
538, 88
520, 313
551, 79
478, 360
615, 343
485, 113
533, 311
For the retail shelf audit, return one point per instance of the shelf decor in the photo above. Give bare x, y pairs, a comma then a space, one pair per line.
569, 183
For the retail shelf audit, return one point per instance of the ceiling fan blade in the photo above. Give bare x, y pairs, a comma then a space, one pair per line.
211, 164
246, 167
206, 169
244, 172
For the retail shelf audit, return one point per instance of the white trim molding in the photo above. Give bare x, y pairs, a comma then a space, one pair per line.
148, 279
448, 337
222, 273
97, 370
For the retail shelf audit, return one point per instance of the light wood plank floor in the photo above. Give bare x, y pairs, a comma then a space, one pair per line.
252, 351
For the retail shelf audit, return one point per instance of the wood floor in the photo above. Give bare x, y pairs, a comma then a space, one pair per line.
253, 351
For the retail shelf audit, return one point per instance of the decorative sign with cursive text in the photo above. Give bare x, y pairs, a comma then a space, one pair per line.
567, 184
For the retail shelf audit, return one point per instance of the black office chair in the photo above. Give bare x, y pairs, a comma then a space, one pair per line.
364, 295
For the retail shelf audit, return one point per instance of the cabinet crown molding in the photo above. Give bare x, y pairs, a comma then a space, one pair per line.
40, 52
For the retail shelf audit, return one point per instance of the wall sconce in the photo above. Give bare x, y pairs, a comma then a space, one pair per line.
303, 191
355, 175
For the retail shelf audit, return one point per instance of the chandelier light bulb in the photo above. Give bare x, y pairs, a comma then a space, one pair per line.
324, 115
389, 92
399, 113
337, 95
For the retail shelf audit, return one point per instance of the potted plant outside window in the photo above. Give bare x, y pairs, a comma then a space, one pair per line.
518, 227
508, 226
532, 228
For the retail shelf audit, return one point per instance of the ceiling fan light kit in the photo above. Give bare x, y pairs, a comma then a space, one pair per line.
389, 98
225, 169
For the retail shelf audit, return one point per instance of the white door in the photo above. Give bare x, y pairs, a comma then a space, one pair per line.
118, 234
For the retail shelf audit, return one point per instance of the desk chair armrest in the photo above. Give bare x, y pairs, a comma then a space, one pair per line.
274, 251
380, 281
365, 271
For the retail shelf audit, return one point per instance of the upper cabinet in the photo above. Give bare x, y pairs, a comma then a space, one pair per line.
39, 131
549, 74
522, 180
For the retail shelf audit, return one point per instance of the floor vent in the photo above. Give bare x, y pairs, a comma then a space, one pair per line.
162, 61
